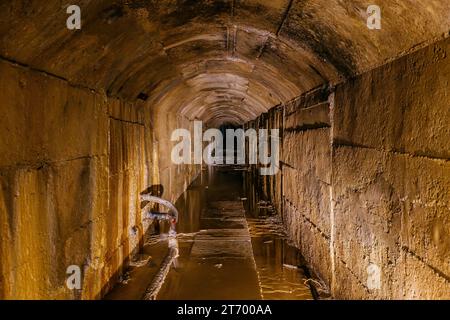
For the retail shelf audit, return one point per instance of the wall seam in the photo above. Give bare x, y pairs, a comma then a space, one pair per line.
331, 101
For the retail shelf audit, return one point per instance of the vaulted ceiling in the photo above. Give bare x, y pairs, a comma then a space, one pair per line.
218, 61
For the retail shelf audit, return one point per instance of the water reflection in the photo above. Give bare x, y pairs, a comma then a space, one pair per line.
280, 266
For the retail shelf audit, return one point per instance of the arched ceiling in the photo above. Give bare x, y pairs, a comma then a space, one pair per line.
218, 61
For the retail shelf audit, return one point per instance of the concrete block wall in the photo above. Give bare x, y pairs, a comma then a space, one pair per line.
391, 178
268, 187
366, 179
72, 165
174, 178
306, 175
301, 189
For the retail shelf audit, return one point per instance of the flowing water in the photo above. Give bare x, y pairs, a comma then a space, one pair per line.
230, 247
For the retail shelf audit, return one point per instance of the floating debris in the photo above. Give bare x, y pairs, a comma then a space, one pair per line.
125, 278
140, 260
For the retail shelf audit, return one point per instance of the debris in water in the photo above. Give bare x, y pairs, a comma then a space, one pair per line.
140, 260
218, 266
125, 278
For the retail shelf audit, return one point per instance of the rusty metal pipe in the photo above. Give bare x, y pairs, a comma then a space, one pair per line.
153, 289
173, 212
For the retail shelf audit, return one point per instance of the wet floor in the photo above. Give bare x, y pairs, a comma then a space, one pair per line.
229, 248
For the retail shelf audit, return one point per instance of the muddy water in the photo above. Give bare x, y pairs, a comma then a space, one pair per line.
278, 263
280, 266
230, 248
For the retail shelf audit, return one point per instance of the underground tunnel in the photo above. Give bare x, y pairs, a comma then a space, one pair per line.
226, 149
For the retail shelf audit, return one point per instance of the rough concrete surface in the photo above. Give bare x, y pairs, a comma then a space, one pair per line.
73, 164
370, 183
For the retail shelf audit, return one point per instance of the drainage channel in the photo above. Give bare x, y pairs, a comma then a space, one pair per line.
224, 253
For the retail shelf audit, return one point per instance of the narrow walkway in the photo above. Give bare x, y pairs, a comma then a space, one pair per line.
220, 264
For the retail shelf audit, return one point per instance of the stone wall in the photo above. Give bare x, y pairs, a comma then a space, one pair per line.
266, 187
307, 178
301, 189
391, 178
366, 179
72, 165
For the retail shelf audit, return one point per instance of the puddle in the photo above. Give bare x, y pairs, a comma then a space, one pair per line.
231, 246
279, 265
